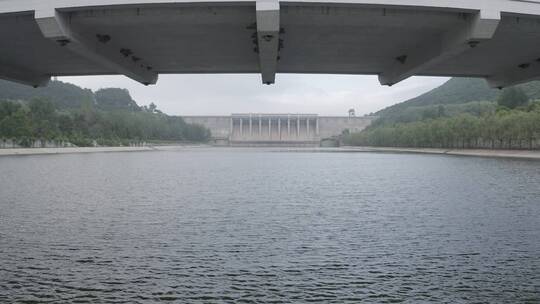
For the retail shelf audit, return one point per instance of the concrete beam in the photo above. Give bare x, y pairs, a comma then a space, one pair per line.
23, 76
527, 7
268, 38
521, 73
480, 27
100, 48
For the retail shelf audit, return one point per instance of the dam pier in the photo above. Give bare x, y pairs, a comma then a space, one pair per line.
277, 129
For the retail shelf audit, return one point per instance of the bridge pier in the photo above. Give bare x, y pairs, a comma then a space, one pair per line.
279, 128
298, 127
288, 126
250, 126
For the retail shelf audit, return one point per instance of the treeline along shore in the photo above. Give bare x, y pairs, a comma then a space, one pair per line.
66, 115
510, 120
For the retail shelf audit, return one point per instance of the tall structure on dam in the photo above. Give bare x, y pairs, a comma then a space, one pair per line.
277, 129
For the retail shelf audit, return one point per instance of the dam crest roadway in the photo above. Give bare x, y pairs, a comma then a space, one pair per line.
492, 39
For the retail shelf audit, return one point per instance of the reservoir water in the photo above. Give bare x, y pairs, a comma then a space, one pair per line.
262, 226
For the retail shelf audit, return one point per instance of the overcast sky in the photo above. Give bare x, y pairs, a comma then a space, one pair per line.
206, 94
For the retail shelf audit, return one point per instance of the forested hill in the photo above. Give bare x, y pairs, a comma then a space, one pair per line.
459, 91
69, 96
67, 113
462, 113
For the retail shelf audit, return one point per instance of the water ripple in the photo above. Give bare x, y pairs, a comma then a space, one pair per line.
211, 226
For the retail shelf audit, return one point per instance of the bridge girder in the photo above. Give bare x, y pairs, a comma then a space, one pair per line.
23, 75
100, 49
479, 28
268, 38
142, 38
520, 73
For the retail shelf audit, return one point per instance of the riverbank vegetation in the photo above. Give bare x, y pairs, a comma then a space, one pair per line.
108, 118
510, 122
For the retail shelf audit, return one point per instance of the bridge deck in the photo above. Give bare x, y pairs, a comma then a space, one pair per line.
494, 39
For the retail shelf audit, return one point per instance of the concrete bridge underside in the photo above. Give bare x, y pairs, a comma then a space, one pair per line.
494, 39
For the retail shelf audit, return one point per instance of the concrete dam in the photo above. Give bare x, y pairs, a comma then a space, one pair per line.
277, 129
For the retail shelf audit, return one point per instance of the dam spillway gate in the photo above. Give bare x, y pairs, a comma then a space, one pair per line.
277, 129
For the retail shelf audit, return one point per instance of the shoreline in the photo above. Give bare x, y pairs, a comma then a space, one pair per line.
86, 150
72, 150
513, 154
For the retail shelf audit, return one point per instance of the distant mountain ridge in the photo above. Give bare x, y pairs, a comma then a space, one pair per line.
459, 91
68, 96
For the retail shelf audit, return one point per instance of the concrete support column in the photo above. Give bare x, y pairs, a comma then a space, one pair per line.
289, 126
317, 131
298, 126
260, 125
241, 127
279, 127
269, 128
232, 128
307, 126
250, 126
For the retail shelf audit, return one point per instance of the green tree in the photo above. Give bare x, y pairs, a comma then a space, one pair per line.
114, 98
7, 108
16, 125
43, 119
41, 109
39, 119
441, 111
512, 98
